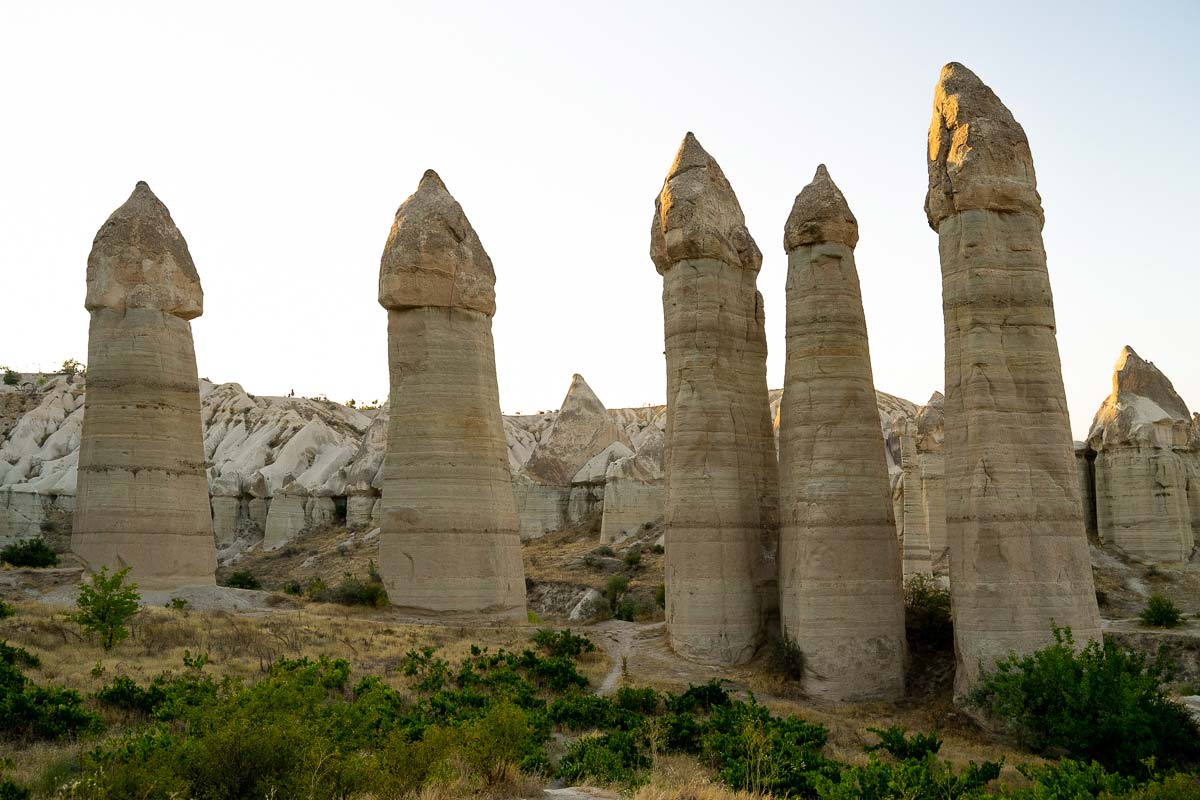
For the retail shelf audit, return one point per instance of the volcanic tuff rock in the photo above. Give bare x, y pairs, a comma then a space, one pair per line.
1019, 554
1146, 465
449, 535
142, 497
922, 517
839, 561
721, 472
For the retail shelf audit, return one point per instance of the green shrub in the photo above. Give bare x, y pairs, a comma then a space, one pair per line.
563, 643
787, 658
500, 740
920, 778
17, 656
1161, 613
6, 610
38, 712
927, 618
604, 551
579, 712
293, 588
242, 579
764, 754
11, 377
644, 702
352, 591
615, 759
633, 559
660, 596
626, 609
105, 605
658, 549
177, 604
11, 790
1101, 703
29, 553
901, 747
614, 591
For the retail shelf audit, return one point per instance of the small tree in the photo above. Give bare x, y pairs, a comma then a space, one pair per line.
105, 605
73, 366
11, 376
1161, 613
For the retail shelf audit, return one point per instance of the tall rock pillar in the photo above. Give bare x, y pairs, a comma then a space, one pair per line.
1018, 551
449, 536
721, 471
142, 498
840, 597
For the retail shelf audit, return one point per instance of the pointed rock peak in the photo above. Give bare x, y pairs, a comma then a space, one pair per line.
1133, 375
979, 156
697, 214
139, 259
581, 399
937, 398
820, 214
433, 257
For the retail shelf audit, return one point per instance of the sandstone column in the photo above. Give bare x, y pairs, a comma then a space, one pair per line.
142, 498
1018, 552
448, 539
721, 472
840, 595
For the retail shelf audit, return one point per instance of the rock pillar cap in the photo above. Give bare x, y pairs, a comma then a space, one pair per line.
979, 155
139, 259
433, 257
697, 215
820, 214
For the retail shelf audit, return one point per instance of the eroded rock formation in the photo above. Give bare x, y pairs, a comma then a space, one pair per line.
449, 538
922, 522
142, 498
839, 561
1018, 552
721, 472
1146, 468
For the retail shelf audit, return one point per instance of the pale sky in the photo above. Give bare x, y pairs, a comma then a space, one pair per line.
282, 136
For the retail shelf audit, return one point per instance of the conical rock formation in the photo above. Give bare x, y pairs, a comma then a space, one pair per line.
1014, 519
721, 473
448, 538
839, 561
142, 497
582, 429
1146, 468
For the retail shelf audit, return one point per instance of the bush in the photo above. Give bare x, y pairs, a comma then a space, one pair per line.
787, 658
11, 790
615, 759
29, 553
563, 643
11, 377
1161, 613
6, 610
38, 712
927, 618
764, 754
899, 746
352, 591
633, 559
243, 579
660, 596
1101, 703
105, 605
293, 588
615, 590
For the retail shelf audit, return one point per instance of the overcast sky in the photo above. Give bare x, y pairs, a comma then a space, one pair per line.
283, 136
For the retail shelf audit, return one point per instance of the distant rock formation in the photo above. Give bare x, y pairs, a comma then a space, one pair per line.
721, 472
449, 535
142, 497
1145, 465
559, 484
922, 516
1019, 557
839, 561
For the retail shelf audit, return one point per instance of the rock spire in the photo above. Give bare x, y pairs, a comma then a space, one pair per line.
142, 498
1019, 558
839, 560
721, 473
448, 540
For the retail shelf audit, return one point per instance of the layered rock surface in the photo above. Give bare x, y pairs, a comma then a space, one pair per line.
1018, 552
449, 534
142, 498
1145, 464
839, 561
721, 474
